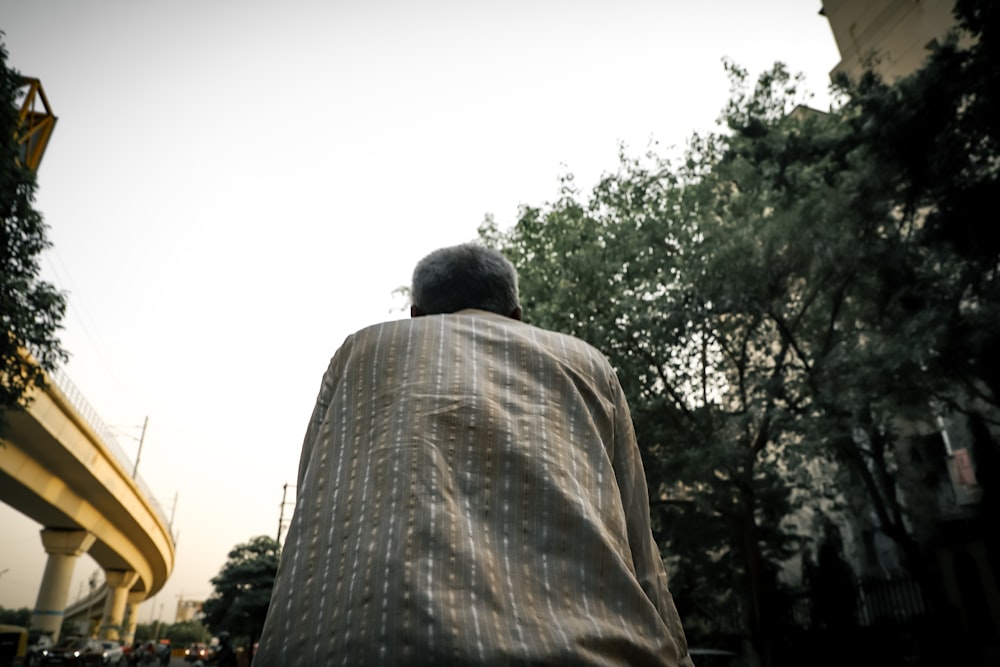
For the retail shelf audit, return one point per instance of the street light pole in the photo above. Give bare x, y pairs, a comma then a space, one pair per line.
138, 455
281, 515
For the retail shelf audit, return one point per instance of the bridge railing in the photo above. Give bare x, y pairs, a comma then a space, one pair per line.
104, 432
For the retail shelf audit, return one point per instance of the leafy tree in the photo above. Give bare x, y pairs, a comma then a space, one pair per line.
31, 310
147, 631
761, 300
186, 632
689, 277
243, 589
21, 617
934, 143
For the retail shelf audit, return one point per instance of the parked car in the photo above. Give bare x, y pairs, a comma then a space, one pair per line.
74, 652
113, 653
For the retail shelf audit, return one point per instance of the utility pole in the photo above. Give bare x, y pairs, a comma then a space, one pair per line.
159, 625
142, 439
91, 626
173, 511
281, 515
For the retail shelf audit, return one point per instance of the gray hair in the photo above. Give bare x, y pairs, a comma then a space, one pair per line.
465, 276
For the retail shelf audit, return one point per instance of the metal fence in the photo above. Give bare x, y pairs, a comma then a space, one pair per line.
889, 599
887, 622
867, 603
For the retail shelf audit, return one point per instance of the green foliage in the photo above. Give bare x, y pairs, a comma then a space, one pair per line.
31, 310
21, 617
186, 632
684, 276
147, 631
776, 300
243, 588
179, 634
933, 140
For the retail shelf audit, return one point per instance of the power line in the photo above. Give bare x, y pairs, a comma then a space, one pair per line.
76, 304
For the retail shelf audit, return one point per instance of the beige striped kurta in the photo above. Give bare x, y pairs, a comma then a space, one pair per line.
470, 493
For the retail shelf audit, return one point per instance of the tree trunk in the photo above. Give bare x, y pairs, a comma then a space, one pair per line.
754, 618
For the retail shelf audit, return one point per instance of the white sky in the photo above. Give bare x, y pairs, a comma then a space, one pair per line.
234, 187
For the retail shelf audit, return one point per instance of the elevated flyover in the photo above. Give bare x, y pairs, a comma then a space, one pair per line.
60, 466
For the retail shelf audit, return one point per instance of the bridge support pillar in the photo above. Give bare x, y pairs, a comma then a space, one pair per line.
63, 548
131, 619
119, 581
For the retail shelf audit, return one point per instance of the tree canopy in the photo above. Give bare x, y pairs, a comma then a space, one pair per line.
700, 281
777, 301
186, 632
180, 633
20, 616
31, 310
239, 603
933, 141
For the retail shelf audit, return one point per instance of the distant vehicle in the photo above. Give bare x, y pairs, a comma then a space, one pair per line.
38, 641
74, 652
196, 652
113, 653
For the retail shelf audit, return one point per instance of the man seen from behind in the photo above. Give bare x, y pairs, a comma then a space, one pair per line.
470, 492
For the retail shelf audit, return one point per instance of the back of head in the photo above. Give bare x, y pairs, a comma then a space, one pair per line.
465, 276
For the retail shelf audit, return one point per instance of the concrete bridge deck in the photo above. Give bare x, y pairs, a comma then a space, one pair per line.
60, 466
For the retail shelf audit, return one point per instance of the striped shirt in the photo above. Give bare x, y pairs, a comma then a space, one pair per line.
470, 492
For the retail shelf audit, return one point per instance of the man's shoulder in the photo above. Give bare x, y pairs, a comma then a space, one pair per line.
563, 346
571, 346
478, 323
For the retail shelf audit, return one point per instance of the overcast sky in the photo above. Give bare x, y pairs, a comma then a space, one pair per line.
234, 187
